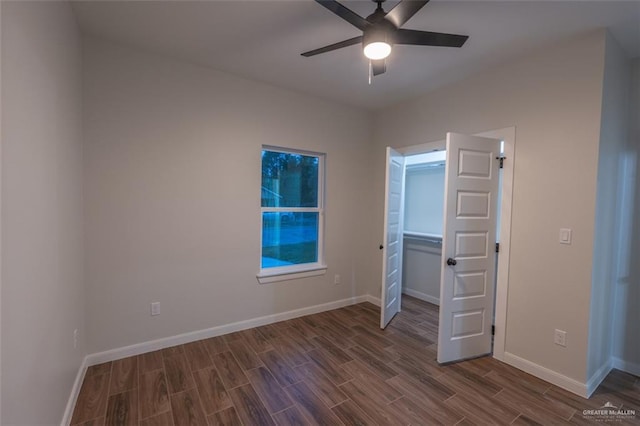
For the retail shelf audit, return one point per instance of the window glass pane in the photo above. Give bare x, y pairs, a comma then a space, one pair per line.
289, 238
289, 180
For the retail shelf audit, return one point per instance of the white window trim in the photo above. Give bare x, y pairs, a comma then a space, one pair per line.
271, 275
304, 270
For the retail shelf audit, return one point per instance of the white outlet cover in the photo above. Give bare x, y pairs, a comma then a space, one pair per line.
560, 337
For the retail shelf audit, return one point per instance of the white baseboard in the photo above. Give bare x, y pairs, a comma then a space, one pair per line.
153, 345
626, 366
544, 373
422, 296
373, 300
597, 377
140, 348
75, 391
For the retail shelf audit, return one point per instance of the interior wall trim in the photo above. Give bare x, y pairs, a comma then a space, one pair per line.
165, 342
374, 300
422, 296
75, 391
626, 366
548, 375
598, 377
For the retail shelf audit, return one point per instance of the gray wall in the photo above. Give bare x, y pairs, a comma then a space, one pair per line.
421, 267
614, 133
42, 286
424, 200
172, 195
626, 345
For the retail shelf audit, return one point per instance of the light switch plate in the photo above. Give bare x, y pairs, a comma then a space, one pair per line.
155, 308
565, 236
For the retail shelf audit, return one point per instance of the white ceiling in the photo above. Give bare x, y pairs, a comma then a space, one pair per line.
262, 39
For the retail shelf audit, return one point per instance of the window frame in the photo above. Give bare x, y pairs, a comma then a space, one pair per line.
289, 272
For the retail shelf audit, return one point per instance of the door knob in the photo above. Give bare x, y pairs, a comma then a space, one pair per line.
451, 262
381, 246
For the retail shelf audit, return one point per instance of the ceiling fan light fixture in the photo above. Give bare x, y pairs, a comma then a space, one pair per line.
377, 41
377, 50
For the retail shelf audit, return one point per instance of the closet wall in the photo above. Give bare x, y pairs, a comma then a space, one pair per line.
424, 198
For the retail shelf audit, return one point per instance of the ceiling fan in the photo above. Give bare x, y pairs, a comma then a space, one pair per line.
381, 30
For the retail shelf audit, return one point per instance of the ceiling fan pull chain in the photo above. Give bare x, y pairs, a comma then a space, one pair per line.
370, 71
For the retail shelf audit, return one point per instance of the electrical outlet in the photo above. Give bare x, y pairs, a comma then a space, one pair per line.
155, 308
560, 338
75, 338
336, 279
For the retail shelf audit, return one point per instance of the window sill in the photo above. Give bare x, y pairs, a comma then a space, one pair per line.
266, 276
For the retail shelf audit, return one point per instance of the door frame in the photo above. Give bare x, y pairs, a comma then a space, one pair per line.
508, 135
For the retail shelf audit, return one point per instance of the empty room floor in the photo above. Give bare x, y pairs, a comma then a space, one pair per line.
332, 368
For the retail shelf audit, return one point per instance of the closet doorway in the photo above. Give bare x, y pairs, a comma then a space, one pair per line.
423, 220
415, 225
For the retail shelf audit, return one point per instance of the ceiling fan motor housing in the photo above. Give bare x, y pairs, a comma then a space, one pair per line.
382, 31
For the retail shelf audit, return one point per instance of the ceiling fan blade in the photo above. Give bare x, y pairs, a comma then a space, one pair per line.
404, 11
334, 46
345, 13
427, 38
378, 66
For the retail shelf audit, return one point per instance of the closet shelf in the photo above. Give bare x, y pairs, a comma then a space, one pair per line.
431, 238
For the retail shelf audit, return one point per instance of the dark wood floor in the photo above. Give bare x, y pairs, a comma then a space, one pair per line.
331, 368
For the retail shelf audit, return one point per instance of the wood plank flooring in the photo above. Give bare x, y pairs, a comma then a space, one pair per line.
332, 368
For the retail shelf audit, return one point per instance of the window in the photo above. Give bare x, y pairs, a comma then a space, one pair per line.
292, 197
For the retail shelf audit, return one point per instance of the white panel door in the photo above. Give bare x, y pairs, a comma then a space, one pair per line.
392, 237
468, 247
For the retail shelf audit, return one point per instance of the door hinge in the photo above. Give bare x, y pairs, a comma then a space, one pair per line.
497, 247
493, 330
501, 158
